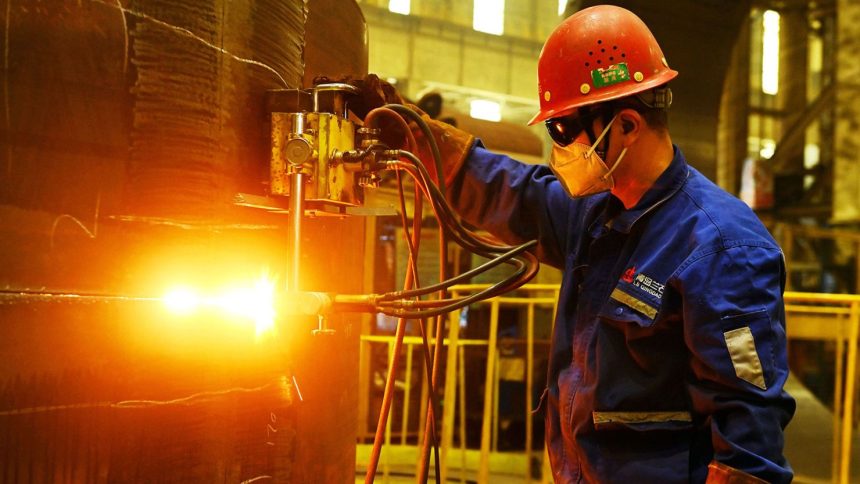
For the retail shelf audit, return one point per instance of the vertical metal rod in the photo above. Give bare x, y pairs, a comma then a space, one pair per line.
423, 406
404, 423
494, 429
462, 410
788, 254
857, 268
484, 468
530, 354
843, 324
367, 321
422, 419
297, 212
848, 405
546, 469
386, 460
450, 391
364, 352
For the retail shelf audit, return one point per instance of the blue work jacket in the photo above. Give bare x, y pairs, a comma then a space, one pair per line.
668, 349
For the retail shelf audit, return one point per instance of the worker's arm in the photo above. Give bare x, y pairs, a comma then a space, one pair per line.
515, 202
734, 327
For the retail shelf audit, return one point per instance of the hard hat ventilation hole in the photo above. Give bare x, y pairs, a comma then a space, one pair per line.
611, 60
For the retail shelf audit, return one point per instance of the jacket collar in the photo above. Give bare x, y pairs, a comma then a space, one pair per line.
615, 217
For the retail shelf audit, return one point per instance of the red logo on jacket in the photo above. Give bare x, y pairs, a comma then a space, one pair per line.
628, 274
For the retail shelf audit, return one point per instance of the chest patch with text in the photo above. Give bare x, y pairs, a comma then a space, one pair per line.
643, 282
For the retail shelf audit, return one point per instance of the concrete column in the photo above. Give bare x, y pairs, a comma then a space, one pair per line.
793, 59
846, 169
732, 126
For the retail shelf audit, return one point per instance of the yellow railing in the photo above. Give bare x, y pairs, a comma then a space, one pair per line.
819, 317
833, 318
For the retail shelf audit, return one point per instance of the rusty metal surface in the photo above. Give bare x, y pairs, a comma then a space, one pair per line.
336, 41
197, 113
125, 130
152, 108
99, 393
64, 130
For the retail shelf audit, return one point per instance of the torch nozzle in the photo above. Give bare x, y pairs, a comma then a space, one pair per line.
310, 303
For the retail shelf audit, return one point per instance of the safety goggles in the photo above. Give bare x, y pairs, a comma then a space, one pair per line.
565, 129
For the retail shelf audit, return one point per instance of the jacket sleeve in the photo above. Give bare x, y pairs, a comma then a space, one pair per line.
516, 202
734, 328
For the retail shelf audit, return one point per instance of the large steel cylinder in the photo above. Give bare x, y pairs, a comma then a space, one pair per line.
126, 129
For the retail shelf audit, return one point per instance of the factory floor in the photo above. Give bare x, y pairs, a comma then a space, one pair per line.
507, 467
809, 439
808, 446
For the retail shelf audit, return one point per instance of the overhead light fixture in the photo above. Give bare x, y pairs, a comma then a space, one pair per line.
488, 16
767, 148
770, 53
399, 6
485, 109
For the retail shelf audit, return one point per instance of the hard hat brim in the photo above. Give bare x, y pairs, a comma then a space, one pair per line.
608, 95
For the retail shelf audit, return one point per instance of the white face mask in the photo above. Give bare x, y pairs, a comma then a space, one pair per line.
580, 169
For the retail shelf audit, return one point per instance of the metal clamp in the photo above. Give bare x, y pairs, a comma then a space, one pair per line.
323, 328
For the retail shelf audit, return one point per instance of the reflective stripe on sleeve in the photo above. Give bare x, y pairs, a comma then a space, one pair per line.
639, 417
744, 356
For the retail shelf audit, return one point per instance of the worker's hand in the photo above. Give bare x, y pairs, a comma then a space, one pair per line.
373, 93
454, 146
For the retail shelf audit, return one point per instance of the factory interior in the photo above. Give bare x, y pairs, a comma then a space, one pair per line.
214, 268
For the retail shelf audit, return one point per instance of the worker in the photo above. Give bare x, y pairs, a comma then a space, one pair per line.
668, 354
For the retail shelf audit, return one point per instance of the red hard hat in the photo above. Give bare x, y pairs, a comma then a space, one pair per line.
598, 54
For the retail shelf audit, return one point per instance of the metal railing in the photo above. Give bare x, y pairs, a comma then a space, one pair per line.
831, 318
819, 317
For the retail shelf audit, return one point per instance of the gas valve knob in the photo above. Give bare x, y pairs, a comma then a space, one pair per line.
298, 150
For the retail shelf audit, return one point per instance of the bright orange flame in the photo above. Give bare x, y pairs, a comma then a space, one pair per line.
182, 300
255, 303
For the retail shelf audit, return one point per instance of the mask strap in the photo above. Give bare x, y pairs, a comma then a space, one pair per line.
600, 138
615, 165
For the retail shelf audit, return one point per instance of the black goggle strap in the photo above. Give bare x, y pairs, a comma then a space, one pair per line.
657, 98
603, 155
